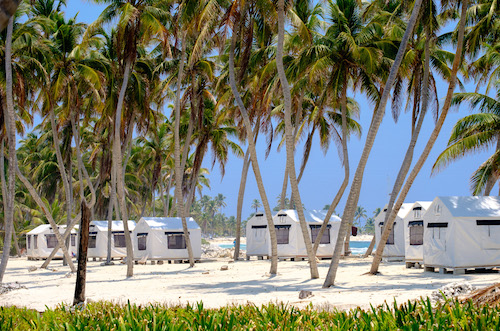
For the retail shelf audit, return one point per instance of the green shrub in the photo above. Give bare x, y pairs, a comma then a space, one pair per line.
107, 316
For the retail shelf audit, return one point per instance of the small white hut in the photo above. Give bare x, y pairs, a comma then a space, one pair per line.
162, 238
257, 235
98, 239
41, 241
462, 233
290, 238
395, 247
414, 233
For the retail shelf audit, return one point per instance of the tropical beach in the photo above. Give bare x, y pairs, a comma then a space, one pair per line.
172, 165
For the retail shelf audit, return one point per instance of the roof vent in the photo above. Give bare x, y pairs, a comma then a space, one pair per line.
259, 214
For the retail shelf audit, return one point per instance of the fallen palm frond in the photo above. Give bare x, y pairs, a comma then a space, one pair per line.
489, 295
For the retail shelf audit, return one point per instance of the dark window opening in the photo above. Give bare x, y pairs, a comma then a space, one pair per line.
92, 241
73, 239
325, 238
29, 242
176, 240
390, 240
417, 234
282, 234
259, 226
259, 215
119, 239
437, 225
488, 222
35, 241
141, 241
51, 240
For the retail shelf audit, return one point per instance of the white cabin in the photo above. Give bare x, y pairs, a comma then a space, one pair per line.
395, 247
41, 241
98, 239
414, 233
162, 238
462, 232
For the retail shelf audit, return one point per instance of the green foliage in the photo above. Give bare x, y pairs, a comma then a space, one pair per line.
107, 316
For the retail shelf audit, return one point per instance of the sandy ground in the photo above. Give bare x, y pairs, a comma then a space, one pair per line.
245, 281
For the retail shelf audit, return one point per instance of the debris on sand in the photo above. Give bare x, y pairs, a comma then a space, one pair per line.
487, 295
7, 287
452, 290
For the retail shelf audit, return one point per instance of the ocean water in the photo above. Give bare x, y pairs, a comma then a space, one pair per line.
357, 247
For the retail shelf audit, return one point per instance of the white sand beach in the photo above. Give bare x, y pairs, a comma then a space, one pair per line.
243, 282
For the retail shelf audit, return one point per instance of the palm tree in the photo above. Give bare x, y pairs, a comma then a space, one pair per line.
474, 133
7, 9
139, 21
430, 143
352, 200
256, 204
251, 144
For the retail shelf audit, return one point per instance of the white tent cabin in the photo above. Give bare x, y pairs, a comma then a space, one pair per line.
41, 241
395, 247
289, 233
98, 239
162, 238
462, 233
414, 233
258, 239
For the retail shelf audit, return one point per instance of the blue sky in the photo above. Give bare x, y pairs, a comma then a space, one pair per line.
324, 173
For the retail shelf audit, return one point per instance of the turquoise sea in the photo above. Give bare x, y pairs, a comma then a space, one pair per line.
357, 247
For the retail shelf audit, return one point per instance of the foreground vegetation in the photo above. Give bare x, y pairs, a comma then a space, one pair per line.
108, 316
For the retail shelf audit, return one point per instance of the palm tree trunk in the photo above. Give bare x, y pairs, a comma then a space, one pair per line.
405, 166
45, 209
253, 158
370, 247
430, 143
11, 131
118, 164
167, 196
112, 201
16, 242
177, 151
290, 140
283, 190
239, 207
83, 246
352, 201
343, 223
62, 170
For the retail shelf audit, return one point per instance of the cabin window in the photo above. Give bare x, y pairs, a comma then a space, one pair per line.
282, 234
325, 239
259, 226
259, 231
29, 242
417, 212
35, 241
119, 239
141, 241
73, 239
51, 240
416, 232
92, 239
176, 240
489, 231
437, 210
390, 240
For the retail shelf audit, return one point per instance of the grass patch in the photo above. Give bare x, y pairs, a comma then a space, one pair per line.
107, 316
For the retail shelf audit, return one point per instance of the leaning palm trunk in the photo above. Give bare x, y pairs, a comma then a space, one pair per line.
177, 153
405, 166
93, 198
117, 166
338, 246
11, 131
370, 247
253, 157
45, 209
353, 198
62, 169
435, 133
290, 141
167, 196
241, 195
